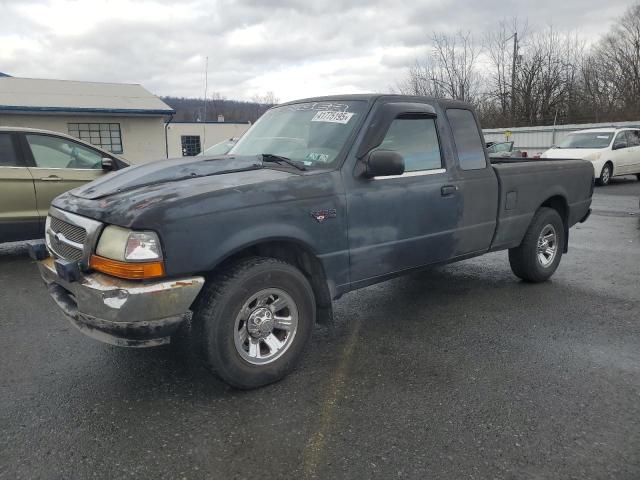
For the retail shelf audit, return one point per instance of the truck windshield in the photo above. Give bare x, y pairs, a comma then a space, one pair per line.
586, 140
310, 133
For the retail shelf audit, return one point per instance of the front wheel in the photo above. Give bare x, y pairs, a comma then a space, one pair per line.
254, 320
539, 254
605, 175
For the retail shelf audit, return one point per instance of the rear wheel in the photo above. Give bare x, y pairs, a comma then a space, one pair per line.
253, 321
539, 254
605, 175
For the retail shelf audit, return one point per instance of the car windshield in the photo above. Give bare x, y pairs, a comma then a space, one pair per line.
500, 147
310, 133
586, 140
219, 148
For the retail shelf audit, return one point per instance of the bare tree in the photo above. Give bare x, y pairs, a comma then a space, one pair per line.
557, 79
613, 73
264, 102
450, 70
499, 52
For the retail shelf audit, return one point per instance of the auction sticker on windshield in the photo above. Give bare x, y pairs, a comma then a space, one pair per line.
333, 117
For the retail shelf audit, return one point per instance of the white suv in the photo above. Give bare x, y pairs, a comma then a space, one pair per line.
613, 151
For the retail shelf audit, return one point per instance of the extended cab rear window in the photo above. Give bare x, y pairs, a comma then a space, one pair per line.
467, 139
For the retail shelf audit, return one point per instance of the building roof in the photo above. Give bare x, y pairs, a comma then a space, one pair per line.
19, 95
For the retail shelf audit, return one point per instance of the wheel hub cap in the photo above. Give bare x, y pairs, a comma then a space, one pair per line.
260, 323
547, 246
266, 326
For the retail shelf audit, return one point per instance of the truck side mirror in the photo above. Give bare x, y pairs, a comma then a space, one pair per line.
384, 163
107, 164
619, 145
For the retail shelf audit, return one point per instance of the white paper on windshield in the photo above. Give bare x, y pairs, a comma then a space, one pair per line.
332, 117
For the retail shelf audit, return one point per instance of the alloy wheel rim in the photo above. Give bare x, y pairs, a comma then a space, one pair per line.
605, 175
547, 246
266, 326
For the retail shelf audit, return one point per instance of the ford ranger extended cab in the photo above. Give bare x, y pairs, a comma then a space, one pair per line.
320, 197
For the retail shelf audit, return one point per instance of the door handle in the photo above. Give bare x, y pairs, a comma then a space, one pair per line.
448, 190
51, 178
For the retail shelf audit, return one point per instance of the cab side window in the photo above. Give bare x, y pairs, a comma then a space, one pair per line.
8, 157
416, 139
57, 152
467, 139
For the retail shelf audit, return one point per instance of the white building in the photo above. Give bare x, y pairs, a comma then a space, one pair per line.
186, 138
125, 119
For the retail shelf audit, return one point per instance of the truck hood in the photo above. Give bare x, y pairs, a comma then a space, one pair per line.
149, 195
574, 153
163, 171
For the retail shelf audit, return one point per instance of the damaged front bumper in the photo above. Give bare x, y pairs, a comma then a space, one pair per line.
122, 312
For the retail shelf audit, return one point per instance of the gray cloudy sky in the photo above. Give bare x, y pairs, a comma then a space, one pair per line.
293, 48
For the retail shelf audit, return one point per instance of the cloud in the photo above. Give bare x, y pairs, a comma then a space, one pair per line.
293, 48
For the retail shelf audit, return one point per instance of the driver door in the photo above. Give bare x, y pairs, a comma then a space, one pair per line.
58, 164
621, 154
632, 164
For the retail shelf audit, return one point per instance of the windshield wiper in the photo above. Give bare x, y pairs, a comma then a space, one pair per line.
270, 157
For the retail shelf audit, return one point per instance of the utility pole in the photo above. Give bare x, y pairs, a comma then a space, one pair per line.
204, 125
513, 78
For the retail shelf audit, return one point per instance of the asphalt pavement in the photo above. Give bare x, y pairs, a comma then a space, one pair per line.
458, 372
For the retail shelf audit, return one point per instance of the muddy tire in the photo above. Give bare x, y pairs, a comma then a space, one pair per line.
253, 320
539, 254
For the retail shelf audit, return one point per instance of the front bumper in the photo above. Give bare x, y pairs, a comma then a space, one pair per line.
122, 312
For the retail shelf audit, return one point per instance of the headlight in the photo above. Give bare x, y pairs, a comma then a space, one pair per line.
128, 254
122, 244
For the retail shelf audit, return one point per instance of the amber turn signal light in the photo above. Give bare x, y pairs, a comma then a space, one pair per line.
128, 270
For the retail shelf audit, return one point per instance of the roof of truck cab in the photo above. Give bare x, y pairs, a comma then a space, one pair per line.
372, 97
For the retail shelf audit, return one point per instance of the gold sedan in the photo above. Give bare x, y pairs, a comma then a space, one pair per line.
35, 167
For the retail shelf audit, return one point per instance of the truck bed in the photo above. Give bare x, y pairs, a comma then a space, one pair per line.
526, 184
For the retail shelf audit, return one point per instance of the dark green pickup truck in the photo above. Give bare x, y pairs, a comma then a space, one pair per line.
320, 197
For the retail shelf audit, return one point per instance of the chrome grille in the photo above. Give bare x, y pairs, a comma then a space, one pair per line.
65, 251
71, 236
72, 232
58, 231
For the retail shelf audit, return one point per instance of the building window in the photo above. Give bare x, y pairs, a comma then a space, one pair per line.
103, 135
190, 145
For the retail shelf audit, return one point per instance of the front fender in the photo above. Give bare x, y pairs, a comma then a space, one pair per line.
256, 235
597, 166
